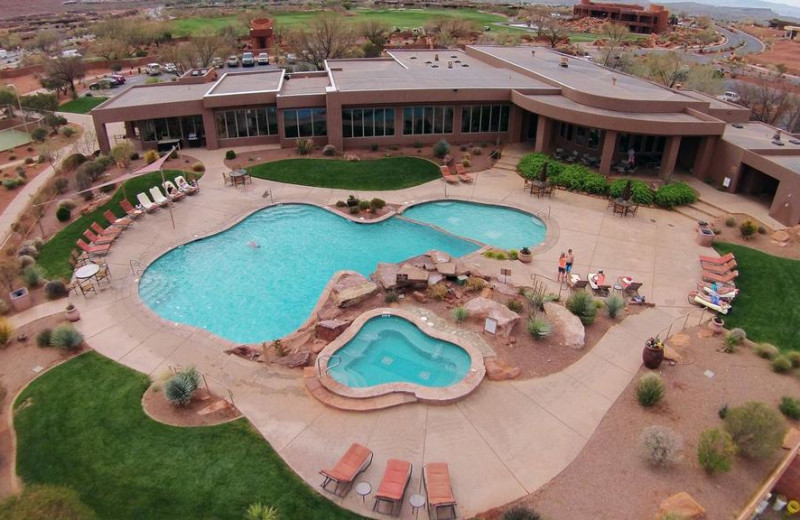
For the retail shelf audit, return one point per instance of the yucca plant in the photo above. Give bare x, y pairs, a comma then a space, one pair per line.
582, 305
66, 337
614, 304
259, 511
539, 327
650, 389
181, 387
460, 313
32, 276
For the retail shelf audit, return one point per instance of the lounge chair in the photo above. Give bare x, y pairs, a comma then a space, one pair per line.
720, 278
715, 304
632, 290
717, 260
130, 210
97, 240
159, 197
355, 461
448, 177
597, 289
110, 232
120, 222
719, 268
575, 282
185, 187
439, 490
722, 291
92, 249
462, 175
172, 191
146, 203
393, 486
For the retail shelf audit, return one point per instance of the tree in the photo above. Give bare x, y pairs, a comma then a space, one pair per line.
121, 153
45, 41
54, 121
66, 69
767, 98
704, 78
614, 33
666, 68
327, 37
109, 48
205, 47
706, 37
553, 33
375, 32
8, 96
54, 84
538, 17
704, 22
40, 102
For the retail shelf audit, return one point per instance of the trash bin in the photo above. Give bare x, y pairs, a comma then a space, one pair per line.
705, 237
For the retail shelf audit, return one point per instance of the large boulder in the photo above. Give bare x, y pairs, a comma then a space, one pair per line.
386, 275
497, 370
481, 308
329, 330
296, 360
356, 294
683, 505
566, 325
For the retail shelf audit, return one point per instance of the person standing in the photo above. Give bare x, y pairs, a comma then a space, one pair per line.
570, 260
562, 267
631, 157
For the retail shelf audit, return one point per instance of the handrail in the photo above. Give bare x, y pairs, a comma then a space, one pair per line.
685, 319
318, 363
540, 213
179, 368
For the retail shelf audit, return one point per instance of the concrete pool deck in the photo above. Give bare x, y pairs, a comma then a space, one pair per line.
504, 440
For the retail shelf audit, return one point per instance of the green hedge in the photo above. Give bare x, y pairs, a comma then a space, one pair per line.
676, 194
530, 166
640, 191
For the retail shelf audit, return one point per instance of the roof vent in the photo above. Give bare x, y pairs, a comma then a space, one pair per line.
458, 61
778, 143
428, 62
436, 57
564, 62
454, 56
434, 66
533, 52
465, 64
412, 58
449, 64
738, 125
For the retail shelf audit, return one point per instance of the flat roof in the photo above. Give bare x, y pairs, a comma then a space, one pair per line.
665, 117
756, 135
247, 82
581, 75
157, 94
304, 85
791, 162
713, 102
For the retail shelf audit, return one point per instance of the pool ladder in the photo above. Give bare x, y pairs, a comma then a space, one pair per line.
136, 267
318, 363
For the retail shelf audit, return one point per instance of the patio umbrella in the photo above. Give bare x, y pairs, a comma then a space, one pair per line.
626, 191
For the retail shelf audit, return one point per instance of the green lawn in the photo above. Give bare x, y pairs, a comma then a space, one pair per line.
82, 105
83, 426
766, 306
54, 256
375, 175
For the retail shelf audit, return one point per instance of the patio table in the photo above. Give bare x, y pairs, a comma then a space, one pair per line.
87, 271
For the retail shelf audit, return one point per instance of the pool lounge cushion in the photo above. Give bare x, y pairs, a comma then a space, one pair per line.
437, 484
395, 479
350, 465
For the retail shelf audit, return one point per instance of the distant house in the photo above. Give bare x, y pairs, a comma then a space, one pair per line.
640, 20
261, 33
70, 53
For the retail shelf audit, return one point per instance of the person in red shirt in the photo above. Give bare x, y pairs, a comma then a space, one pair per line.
562, 267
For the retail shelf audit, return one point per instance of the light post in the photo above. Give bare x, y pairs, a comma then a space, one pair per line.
19, 104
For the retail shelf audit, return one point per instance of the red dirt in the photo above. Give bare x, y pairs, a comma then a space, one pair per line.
158, 408
759, 242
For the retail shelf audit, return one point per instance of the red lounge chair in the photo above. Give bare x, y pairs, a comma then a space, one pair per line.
110, 232
393, 486
355, 461
719, 268
717, 260
463, 176
114, 220
98, 240
720, 278
436, 480
130, 210
94, 249
448, 177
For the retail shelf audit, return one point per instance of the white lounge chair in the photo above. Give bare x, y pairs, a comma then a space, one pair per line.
146, 203
159, 197
185, 186
172, 192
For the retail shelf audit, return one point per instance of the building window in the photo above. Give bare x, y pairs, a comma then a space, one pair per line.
367, 122
485, 118
427, 120
580, 136
247, 122
305, 122
151, 130
594, 138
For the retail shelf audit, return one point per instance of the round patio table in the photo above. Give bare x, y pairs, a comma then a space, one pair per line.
416, 501
238, 176
87, 271
363, 489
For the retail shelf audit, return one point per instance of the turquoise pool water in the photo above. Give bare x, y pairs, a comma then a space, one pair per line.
390, 349
248, 295
496, 226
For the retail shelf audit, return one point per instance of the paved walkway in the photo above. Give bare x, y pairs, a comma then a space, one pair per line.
503, 441
731, 202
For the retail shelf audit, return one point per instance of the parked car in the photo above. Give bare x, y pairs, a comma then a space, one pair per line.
217, 63
291, 58
248, 60
233, 61
263, 59
102, 84
731, 97
170, 68
153, 69
118, 79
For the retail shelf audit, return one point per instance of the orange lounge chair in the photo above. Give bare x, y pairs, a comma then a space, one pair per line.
448, 177
717, 260
463, 176
110, 232
130, 210
355, 461
719, 268
98, 240
393, 486
114, 220
94, 249
436, 480
720, 278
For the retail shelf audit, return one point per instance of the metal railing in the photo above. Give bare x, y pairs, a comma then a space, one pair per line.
700, 313
206, 378
318, 364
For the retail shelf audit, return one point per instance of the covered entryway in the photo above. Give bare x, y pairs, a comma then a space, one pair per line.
530, 122
758, 184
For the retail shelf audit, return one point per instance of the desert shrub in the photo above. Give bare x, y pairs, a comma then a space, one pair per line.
55, 289
747, 229
66, 337
790, 407
353, 209
437, 291
6, 331
67, 203
762, 230
794, 357
532, 164
3, 308
738, 335
304, 145
715, 451
781, 364
730, 344
94, 169
465, 163
67, 131
460, 313
32, 276
766, 351
756, 429
108, 188
363, 205
150, 156
181, 387
104, 162
539, 327
26, 260
377, 204
476, 150
730, 222
134, 156
198, 167
28, 250
46, 501
61, 184
514, 305
474, 284
441, 148
352, 200
259, 511
83, 181
39, 135
640, 191
29, 160
230, 154
43, 337
520, 513
581, 304
63, 214
513, 254
613, 305
340, 204
10, 184
660, 446
391, 297
650, 389
675, 194
329, 150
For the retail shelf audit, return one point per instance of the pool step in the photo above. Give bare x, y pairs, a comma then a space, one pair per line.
339, 402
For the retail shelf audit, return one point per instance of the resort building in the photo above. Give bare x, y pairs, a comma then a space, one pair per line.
482, 94
261, 34
638, 19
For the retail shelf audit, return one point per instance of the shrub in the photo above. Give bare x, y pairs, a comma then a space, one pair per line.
352, 200
762, 230
150, 156
63, 214
418, 145
181, 387
4, 307
29, 160
766, 351
640, 191
363, 205
6, 331
46, 501
353, 209
66, 337
531, 165
476, 150
67, 131
259, 511
730, 222
756, 429
340, 204
474, 284
391, 297
377, 204
729, 344
39, 135
514, 305
55, 289
465, 163
781, 364
520, 513
25, 261
794, 357
661, 446
10, 184
28, 250
790, 407
747, 229
581, 304
539, 327
650, 389
67, 203
304, 145
43, 337
460, 313
83, 181
374, 147
676, 194
613, 304
738, 335
61, 184
134, 156
441, 148
198, 167
715, 451
108, 188
329, 150
31, 276
437, 291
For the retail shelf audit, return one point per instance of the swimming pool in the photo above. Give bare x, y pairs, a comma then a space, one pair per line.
496, 226
391, 349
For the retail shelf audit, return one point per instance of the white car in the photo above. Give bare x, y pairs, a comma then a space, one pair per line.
170, 68
731, 97
263, 59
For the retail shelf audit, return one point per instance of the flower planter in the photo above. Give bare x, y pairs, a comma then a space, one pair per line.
20, 299
525, 258
716, 325
652, 357
72, 313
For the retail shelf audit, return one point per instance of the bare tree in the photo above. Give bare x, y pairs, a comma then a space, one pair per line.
793, 114
704, 78
767, 98
205, 47
327, 37
109, 48
553, 33
538, 16
66, 69
614, 34
667, 68
46, 41
706, 38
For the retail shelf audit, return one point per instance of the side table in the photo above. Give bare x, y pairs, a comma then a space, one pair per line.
417, 502
363, 489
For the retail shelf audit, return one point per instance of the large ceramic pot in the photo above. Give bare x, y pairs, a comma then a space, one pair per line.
652, 357
524, 257
72, 313
717, 325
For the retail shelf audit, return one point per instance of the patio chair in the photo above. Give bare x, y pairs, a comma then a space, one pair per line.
82, 286
120, 222
448, 177
393, 486
559, 154
173, 192
632, 290
355, 461
717, 260
462, 175
611, 202
619, 209
438, 490
159, 197
185, 187
720, 278
132, 212
548, 191
110, 232
97, 240
92, 249
632, 210
227, 180
715, 304
719, 268
146, 203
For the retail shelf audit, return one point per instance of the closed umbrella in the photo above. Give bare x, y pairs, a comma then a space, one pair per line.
626, 191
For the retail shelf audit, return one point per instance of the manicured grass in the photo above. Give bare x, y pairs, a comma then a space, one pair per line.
82, 105
766, 306
82, 425
379, 174
54, 256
